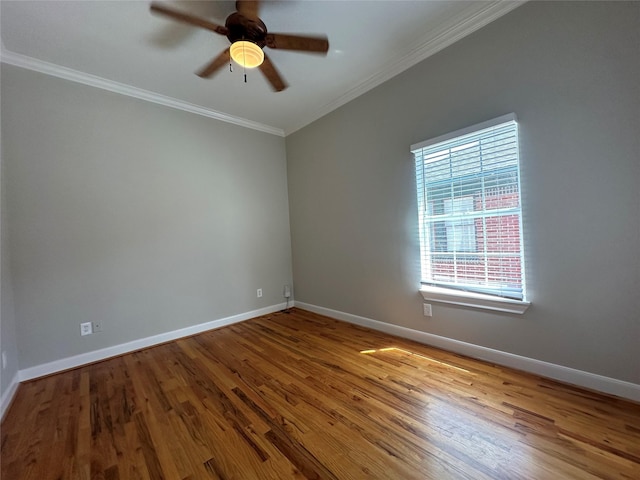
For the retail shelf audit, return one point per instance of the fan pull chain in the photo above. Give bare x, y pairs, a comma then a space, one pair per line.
244, 66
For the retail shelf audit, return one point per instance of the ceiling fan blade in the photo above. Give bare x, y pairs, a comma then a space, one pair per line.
248, 8
216, 64
187, 18
272, 75
284, 41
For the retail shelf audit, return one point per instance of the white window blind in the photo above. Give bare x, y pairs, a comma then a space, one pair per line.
470, 221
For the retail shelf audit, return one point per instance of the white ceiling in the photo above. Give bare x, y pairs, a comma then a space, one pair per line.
121, 46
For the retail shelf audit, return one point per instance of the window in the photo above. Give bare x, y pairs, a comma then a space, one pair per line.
470, 221
460, 235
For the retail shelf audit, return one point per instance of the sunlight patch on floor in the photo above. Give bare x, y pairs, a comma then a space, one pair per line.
401, 350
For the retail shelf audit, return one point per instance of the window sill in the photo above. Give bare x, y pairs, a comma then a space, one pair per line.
475, 300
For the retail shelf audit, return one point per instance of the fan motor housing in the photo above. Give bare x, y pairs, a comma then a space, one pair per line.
243, 28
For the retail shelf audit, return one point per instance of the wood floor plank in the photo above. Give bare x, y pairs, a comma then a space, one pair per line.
296, 395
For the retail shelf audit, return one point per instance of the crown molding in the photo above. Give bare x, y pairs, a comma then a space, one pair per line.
29, 63
458, 27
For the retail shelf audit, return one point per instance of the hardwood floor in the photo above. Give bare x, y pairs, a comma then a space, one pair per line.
297, 395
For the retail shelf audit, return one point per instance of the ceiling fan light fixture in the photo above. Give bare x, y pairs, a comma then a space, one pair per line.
246, 54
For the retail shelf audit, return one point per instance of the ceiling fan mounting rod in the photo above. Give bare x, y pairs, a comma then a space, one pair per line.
248, 29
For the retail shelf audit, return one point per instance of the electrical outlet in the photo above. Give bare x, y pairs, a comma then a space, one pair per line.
86, 329
287, 291
4, 360
426, 309
97, 327
259, 293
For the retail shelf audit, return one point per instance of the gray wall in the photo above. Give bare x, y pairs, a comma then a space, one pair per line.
141, 217
571, 72
8, 339
150, 219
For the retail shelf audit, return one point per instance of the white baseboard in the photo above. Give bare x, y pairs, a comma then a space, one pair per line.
572, 376
104, 353
7, 396
557, 372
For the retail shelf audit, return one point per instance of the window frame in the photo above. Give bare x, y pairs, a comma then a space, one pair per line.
466, 295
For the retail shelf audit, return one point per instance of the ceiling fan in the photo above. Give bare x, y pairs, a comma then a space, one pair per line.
248, 36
